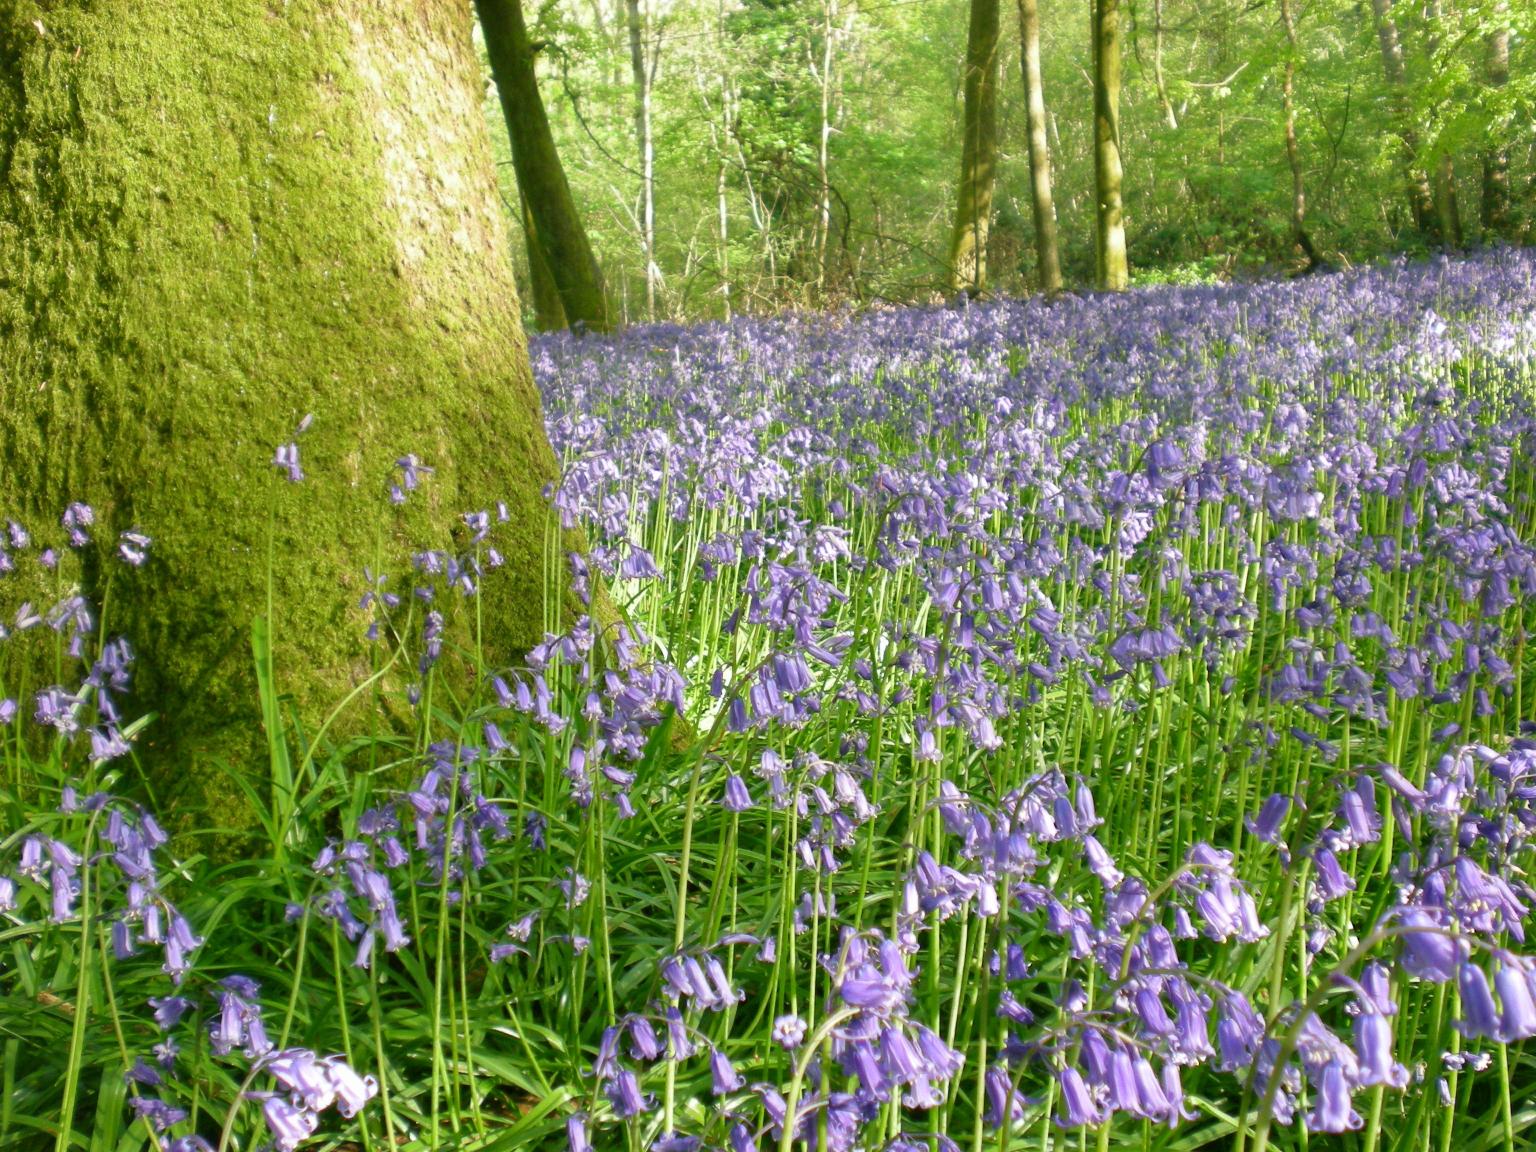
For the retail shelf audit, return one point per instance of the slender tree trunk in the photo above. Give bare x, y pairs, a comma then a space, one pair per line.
1421, 199
723, 218
823, 170
293, 211
640, 70
548, 311
978, 157
1047, 255
1113, 269
722, 137
1292, 149
1495, 205
540, 177
1157, 65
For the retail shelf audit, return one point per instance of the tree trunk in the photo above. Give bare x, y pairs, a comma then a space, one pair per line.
548, 311
823, 157
978, 156
214, 220
1299, 234
1157, 66
1495, 205
1447, 210
1446, 205
721, 136
1421, 200
641, 73
1047, 254
540, 177
1113, 269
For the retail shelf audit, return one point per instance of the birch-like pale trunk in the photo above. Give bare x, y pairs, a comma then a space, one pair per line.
642, 72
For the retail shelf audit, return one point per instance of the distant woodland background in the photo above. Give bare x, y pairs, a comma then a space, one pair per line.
802, 153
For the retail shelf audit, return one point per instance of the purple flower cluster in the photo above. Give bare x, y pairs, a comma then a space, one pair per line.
965, 546
307, 1084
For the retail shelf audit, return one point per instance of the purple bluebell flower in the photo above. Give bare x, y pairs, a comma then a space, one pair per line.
1077, 1105
625, 1096
288, 1124
1266, 825
76, 519
736, 798
155, 1112
1332, 1109
644, 1044
169, 1010
1429, 953
724, 1079
133, 547
1373, 1052
1517, 999
287, 458
789, 1032
1479, 1016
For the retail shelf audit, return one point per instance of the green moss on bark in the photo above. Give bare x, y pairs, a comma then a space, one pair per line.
213, 220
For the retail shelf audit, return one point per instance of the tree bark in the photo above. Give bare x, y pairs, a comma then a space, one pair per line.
1113, 268
978, 156
1495, 204
640, 71
1447, 210
1299, 234
1421, 199
1157, 65
823, 154
562, 240
1446, 205
1047, 253
548, 311
214, 220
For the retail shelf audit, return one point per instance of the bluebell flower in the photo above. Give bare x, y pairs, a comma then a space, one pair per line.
724, 1079
1333, 1109
1077, 1104
1373, 1052
288, 1124
287, 458
789, 1032
133, 547
644, 1044
155, 1112
1431, 953
624, 1095
736, 798
1479, 1016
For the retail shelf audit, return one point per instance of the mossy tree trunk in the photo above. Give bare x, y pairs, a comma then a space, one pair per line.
1113, 268
561, 238
214, 219
1047, 251
548, 311
978, 153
